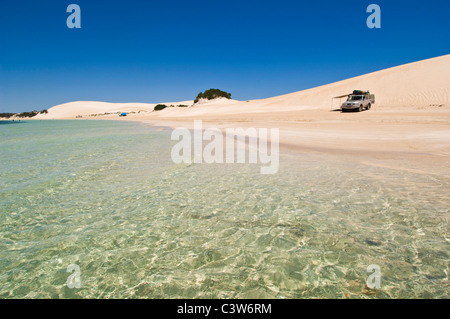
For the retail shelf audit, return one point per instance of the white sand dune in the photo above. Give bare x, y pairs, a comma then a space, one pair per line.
91, 108
83, 108
418, 84
421, 83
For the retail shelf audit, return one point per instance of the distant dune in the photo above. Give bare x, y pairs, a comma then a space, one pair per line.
91, 108
422, 83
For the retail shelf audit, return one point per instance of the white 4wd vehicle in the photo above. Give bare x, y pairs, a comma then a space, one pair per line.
359, 101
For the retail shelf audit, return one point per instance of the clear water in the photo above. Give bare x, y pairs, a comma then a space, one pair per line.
106, 196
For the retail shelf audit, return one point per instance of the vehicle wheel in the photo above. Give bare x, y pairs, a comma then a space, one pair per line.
369, 106
360, 109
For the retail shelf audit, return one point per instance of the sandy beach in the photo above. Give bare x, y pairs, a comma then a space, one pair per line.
408, 128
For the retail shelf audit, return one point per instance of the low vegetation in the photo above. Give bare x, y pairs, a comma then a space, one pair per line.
6, 115
27, 114
212, 94
23, 114
160, 107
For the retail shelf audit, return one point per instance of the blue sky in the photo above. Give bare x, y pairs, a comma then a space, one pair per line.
156, 51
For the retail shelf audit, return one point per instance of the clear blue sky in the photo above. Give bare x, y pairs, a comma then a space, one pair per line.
167, 50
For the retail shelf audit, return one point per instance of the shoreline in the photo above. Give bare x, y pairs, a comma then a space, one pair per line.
411, 139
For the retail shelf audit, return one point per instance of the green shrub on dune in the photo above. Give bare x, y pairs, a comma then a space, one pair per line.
27, 114
23, 114
6, 115
160, 107
212, 94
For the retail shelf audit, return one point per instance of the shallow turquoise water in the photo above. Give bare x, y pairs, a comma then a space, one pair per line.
106, 196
